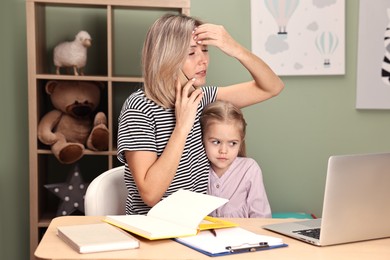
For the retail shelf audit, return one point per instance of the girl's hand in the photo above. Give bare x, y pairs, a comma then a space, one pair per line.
216, 35
186, 105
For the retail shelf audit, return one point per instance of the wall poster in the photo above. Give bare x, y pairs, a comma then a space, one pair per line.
373, 70
300, 37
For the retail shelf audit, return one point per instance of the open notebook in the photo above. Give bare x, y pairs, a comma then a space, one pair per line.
183, 213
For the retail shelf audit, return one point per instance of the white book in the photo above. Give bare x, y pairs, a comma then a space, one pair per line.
180, 214
90, 238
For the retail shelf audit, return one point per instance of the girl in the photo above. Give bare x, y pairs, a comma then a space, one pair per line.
159, 134
232, 175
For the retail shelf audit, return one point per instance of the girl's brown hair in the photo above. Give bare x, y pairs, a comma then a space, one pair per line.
225, 112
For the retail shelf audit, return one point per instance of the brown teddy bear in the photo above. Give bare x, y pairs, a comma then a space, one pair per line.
70, 126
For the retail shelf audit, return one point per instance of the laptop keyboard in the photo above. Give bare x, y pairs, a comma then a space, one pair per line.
314, 232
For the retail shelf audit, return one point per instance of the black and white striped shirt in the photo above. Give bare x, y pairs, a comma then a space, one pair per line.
146, 126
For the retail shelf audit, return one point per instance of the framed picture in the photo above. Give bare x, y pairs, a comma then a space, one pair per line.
300, 37
373, 70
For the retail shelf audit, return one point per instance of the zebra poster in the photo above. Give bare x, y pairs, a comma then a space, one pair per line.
373, 72
300, 37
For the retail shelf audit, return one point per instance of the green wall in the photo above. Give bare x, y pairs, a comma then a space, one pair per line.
14, 204
291, 136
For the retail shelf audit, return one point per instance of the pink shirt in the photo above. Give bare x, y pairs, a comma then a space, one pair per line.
243, 185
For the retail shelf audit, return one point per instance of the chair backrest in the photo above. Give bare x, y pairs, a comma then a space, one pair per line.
106, 194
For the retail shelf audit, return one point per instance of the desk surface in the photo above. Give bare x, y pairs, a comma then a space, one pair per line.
52, 247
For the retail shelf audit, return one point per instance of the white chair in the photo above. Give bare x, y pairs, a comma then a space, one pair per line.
106, 194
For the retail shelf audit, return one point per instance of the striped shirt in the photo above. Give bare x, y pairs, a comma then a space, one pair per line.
146, 126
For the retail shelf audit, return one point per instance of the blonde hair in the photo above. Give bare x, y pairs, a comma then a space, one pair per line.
225, 112
164, 52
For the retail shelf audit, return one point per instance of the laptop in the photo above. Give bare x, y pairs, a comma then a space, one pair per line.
356, 203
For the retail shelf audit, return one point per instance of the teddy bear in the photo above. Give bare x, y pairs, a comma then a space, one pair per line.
71, 126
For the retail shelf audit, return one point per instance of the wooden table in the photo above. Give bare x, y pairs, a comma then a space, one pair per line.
52, 247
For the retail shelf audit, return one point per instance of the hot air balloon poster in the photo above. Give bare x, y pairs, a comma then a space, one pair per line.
300, 37
373, 69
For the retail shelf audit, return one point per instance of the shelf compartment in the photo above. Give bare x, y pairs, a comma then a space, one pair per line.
56, 23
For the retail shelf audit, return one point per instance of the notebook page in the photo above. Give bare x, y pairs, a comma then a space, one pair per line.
186, 208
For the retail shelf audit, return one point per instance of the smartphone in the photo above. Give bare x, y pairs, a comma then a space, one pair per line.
183, 78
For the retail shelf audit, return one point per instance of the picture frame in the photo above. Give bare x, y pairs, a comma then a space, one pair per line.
373, 68
300, 37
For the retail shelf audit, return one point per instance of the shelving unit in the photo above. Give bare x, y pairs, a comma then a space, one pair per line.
118, 28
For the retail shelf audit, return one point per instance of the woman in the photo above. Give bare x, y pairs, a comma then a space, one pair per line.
159, 135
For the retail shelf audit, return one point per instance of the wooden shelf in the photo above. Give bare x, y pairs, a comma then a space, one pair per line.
110, 61
89, 78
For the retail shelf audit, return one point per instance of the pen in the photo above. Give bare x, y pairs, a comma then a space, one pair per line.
213, 232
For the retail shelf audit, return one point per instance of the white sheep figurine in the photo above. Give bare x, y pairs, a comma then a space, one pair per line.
73, 54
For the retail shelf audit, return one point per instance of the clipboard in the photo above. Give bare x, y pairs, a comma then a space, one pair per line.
227, 241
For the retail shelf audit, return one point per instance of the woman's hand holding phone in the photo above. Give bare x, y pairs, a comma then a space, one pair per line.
187, 101
183, 78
